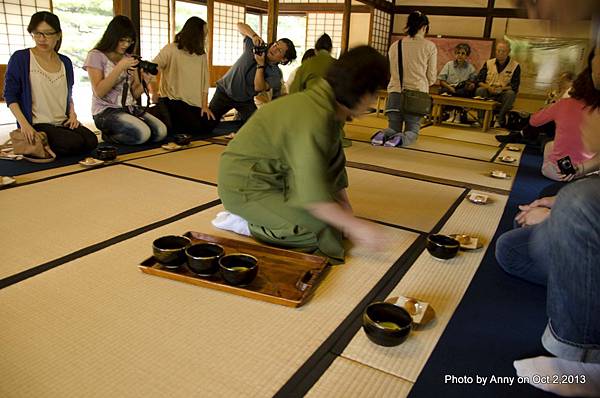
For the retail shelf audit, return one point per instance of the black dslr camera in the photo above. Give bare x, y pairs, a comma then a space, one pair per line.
146, 66
260, 50
566, 166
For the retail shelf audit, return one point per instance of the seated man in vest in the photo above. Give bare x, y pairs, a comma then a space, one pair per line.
499, 79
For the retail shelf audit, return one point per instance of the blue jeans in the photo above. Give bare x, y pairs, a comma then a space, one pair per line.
572, 254
514, 254
412, 124
124, 128
563, 253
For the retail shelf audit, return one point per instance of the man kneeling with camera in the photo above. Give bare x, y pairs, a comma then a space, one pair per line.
255, 71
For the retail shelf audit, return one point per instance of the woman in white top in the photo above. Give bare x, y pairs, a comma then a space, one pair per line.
184, 81
38, 88
419, 63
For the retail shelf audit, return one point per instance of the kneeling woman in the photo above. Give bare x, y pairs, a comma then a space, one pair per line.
38, 88
116, 83
284, 172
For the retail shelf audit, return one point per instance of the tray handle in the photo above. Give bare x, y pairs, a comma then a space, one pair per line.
306, 280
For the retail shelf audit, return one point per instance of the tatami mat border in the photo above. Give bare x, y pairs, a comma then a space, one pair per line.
212, 184
438, 153
423, 177
83, 170
310, 372
21, 276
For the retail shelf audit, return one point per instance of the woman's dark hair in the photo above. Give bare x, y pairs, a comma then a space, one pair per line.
463, 46
583, 87
324, 43
290, 54
119, 28
362, 70
192, 36
416, 20
308, 54
50, 19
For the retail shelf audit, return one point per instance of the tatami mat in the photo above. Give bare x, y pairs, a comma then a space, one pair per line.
198, 163
432, 144
514, 154
371, 120
400, 201
348, 379
440, 283
461, 133
391, 199
98, 327
50, 219
432, 165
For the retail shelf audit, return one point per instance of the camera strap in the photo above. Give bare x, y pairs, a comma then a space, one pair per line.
125, 92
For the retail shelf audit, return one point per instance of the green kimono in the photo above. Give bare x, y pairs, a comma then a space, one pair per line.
287, 156
310, 71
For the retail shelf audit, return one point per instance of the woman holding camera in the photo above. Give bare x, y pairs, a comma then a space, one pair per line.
116, 83
184, 80
568, 114
38, 90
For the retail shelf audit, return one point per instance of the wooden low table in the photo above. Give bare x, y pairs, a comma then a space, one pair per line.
382, 96
486, 105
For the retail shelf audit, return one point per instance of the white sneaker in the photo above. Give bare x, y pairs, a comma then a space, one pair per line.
497, 125
476, 124
451, 117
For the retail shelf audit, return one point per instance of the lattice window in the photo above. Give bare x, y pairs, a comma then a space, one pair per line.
330, 23
14, 18
380, 31
154, 26
227, 42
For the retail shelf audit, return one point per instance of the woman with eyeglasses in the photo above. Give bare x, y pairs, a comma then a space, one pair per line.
184, 81
458, 78
116, 83
38, 89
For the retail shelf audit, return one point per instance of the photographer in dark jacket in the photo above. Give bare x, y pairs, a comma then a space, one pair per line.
255, 71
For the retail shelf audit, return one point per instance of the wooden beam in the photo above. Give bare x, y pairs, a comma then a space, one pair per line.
382, 5
346, 25
465, 11
172, 24
256, 4
489, 20
272, 24
318, 7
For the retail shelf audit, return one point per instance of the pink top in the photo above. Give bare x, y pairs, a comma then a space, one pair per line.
568, 116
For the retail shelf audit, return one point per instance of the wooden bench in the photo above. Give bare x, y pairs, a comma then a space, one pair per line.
485, 105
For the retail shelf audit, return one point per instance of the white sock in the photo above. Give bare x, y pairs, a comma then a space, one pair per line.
231, 222
559, 376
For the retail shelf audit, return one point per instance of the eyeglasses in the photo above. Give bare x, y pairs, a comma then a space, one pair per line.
45, 35
127, 40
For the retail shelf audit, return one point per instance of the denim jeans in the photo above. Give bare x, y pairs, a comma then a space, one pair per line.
412, 124
514, 254
568, 242
124, 128
506, 99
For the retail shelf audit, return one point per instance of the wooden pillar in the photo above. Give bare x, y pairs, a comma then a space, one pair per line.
346, 25
172, 25
487, 30
272, 25
210, 7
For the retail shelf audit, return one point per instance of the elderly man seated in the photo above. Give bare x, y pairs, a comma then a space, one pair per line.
499, 79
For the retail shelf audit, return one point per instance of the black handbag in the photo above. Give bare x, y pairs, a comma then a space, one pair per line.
412, 102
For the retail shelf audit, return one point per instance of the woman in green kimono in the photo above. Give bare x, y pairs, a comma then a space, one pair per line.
284, 173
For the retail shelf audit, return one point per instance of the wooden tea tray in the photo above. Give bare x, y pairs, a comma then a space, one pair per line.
284, 277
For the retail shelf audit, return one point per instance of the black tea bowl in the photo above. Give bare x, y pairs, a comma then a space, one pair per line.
106, 152
203, 258
182, 139
238, 269
386, 324
170, 250
442, 246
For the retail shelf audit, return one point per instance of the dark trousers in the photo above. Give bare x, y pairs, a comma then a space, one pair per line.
221, 103
181, 117
65, 142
